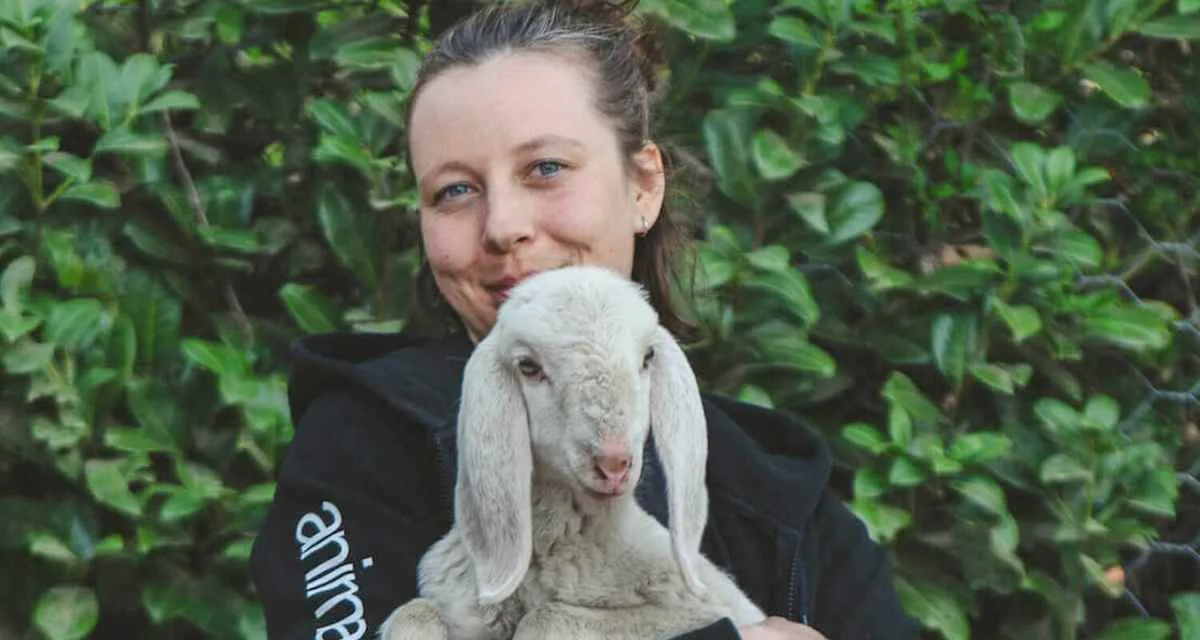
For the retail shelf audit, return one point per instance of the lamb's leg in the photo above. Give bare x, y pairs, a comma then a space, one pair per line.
558, 620
416, 619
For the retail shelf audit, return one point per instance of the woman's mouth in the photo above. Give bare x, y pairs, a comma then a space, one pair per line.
500, 289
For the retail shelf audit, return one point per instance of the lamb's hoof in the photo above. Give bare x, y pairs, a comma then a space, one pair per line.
416, 619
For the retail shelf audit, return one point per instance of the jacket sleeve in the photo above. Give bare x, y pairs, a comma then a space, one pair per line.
854, 596
357, 503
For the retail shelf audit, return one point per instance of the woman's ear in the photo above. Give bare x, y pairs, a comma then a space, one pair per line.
649, 184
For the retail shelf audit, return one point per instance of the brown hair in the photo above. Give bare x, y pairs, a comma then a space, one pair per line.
625, 61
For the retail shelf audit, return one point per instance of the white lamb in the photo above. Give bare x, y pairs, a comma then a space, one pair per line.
548, 540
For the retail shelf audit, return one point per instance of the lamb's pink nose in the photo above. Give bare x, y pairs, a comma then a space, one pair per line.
613, 463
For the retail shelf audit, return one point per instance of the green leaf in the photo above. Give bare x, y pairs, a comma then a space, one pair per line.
881, 275
124, 141
1188, 7
708, 19
953, 344
1062, 468
1060, 169
66, 612
773, 156
905, 473
173, 100
1102, 411
72, 324
809, 206
883, 521
1136, 629
873, 70
1134, 328
1022, 320
350, 234
15, 282
755, 395
1182, 27
793, 30
1122, 84
983, 492
1031, 103
994, 376
220, 359
107, 481
785, 347
332, 117
792, 289
868, 483
313, 312
100, 194
1157, 492
900, 390
1059, 419
727, 143
900, 426
865, 437
27, 357
771, 258
1186, 607
69, 165
1077, 247
934, 606
1027, 159
980, 447
181, 504
857, 208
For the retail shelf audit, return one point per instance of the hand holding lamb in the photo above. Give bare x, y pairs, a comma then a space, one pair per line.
548, 541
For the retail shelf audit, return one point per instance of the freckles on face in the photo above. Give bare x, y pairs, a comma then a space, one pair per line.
517, 172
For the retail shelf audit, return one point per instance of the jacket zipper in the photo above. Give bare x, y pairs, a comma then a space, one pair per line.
795, 590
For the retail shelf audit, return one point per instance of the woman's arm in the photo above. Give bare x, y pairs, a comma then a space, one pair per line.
356, 505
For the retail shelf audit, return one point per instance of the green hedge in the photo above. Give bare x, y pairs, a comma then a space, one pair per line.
959, 238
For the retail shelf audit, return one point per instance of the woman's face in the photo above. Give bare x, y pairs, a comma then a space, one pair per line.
518, 172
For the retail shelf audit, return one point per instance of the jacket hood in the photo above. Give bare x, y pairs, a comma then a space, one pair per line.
764, 460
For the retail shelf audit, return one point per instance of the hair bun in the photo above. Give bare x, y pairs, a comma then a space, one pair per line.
647, 49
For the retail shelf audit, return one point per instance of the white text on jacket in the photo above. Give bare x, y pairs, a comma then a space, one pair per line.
333, 580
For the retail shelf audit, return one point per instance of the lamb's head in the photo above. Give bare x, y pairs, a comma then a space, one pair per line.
575, 374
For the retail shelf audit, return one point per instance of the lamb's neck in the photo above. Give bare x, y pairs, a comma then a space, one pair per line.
560, 515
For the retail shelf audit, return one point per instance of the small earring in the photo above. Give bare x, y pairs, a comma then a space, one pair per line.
645, 226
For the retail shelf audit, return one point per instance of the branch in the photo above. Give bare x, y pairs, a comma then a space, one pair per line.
193, 195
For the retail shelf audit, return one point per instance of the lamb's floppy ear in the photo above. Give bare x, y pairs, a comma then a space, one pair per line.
493, 492
681, 440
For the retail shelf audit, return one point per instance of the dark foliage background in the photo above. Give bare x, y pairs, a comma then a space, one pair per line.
958, 237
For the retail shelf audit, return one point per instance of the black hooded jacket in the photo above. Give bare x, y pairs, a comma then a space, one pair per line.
367, 483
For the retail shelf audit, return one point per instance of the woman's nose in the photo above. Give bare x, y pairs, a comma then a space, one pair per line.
509, 221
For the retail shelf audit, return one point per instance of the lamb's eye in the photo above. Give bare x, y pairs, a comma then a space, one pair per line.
647, 358
529, 368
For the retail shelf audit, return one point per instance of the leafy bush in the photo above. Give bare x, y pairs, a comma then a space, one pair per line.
958, 238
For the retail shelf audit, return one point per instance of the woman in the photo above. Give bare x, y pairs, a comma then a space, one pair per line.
529, 139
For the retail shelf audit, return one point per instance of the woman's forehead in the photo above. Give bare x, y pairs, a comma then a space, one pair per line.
520, 91
508, 104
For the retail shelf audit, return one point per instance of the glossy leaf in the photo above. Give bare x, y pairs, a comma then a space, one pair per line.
1123, 84
773, 156
67, 612
1031, 103
709, 19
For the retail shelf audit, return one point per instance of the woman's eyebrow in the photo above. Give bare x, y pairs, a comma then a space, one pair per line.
547, 141
449, 165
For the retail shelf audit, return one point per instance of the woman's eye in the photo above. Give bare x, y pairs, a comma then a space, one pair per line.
547, 168
451, 191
